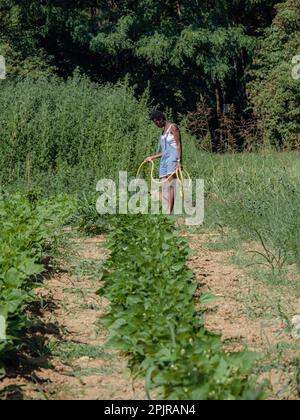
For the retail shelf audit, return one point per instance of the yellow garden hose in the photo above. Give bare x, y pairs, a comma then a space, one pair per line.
179, 174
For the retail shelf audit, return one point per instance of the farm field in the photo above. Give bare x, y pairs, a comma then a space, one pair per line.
237, 277
75, 364
245, 291
97, 101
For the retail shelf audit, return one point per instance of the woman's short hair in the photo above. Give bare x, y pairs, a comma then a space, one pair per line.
157, 115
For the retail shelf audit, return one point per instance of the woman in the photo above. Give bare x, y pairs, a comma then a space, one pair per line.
171, 156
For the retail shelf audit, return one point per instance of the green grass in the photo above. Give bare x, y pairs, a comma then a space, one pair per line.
103, 370
70, 351
257, 196
91, 269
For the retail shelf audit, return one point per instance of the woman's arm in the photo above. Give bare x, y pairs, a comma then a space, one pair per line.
151, 158
177, 136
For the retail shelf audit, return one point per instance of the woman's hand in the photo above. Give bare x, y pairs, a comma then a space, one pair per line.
179, 166
148, 159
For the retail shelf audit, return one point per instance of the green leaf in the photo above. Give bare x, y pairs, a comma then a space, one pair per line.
245, 360
12, 278
30, 268
208, 299
3, 327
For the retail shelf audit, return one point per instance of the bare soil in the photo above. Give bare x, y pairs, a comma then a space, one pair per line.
246, 314
82, 368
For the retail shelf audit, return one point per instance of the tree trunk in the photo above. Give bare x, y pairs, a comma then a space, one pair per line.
215, 122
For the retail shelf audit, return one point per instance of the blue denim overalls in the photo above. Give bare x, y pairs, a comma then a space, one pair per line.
169, 160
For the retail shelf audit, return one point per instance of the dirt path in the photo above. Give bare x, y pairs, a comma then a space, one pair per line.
250, 314
79, 366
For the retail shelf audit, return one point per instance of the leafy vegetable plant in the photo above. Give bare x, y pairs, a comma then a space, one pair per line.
153, 318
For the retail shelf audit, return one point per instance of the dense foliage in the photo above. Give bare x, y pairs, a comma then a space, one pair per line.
59, 125
189, 53
75, 131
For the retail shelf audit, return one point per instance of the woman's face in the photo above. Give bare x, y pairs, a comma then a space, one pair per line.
160, 123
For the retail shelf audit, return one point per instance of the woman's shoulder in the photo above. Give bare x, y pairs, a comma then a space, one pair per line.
174, 127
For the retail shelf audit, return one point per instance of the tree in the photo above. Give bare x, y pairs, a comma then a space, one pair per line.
184, 50
275, 94
19, 40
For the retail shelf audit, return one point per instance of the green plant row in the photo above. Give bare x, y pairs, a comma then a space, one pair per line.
27, 232
86, 218
153, 317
